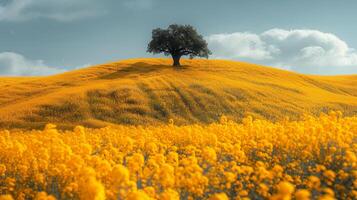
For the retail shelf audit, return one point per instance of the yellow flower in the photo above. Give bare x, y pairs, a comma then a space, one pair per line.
79, 130
169, 194
209, 155
2, 169
302, 195
172, 158
138, 195
171, 122
6, 197
91, 189
44, 196
120, 174
167, 176
50, 129
330, 175
219, 196
285, 188
241, 160
40, 178
151, 148
150, 191
326, 197
135, 162
329, 192
313, 182
50, 126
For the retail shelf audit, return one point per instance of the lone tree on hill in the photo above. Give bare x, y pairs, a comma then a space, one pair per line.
177, 41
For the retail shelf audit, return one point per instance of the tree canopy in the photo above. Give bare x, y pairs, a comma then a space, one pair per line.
177, 41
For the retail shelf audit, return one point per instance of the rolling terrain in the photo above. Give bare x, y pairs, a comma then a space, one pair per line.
151, 91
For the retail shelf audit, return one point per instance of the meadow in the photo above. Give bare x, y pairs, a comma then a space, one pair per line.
151, 91
313, 158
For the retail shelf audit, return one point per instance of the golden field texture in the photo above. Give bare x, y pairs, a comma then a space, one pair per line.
151, 91
310, 159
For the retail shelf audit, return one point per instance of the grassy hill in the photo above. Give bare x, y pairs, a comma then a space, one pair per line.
150, 91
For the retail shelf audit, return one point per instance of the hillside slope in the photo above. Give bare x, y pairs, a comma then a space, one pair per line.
150, 91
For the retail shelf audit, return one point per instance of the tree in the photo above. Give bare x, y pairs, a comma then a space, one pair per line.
177, 41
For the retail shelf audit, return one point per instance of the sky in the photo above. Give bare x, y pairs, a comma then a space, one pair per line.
41, 37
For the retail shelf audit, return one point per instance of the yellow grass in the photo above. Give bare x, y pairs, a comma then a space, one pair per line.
150, 91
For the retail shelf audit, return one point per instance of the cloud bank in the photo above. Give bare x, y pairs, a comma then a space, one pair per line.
302, 50
13, 64
60, 10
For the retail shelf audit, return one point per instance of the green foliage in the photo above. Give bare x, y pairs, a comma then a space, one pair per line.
177, 41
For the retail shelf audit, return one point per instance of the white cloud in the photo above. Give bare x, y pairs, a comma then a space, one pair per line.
304, 50
13, 64
244, 45
60, 10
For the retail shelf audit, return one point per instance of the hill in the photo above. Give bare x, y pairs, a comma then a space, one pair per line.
150, 91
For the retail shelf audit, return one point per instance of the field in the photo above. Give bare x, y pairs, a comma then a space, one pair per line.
257, 159
140, 129
150, 92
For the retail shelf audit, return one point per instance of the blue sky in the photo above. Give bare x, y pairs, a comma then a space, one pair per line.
39, 37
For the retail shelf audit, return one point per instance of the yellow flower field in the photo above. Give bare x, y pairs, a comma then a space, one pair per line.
310, 159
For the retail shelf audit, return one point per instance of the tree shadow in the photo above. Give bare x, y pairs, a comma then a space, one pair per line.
138, 68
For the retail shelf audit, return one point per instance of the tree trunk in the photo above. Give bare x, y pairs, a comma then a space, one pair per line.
176, 59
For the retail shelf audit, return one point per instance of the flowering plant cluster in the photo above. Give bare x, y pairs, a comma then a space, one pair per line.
314, 158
